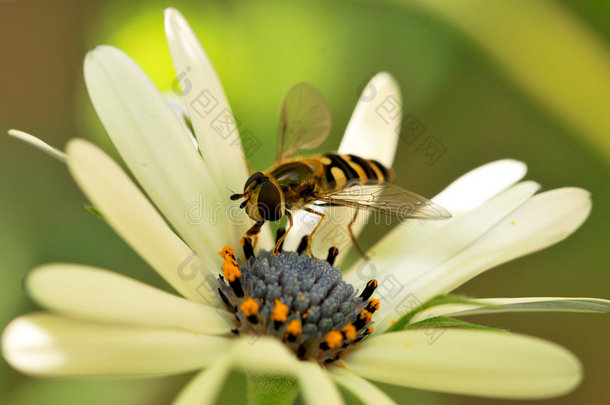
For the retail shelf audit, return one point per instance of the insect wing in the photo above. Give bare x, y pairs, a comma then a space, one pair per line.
386, 198
305, 120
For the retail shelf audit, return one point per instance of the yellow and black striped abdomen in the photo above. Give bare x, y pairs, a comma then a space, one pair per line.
340, 170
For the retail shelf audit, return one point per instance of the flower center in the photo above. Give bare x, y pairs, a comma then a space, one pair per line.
298, 299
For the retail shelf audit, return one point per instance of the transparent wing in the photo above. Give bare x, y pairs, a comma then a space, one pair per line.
386, 198
305, 120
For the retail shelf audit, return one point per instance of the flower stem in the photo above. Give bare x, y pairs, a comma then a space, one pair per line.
271, 389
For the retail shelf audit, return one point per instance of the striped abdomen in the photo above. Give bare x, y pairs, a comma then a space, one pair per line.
340, 170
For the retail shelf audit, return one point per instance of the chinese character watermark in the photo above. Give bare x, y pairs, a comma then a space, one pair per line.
220, 119
411, 130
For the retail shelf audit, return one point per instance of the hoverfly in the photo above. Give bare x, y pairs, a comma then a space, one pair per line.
324, 180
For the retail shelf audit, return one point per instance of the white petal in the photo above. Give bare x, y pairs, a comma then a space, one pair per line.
367, 393
250, 354
157, 150
372, 133
333, 231
38, 144
479, 185
49, 345
264, 354
544, 220
464, 195
204, 98
93, 294
130, 213
403, 258
521, 304
317, 386
207, 104
468, 362
204, 388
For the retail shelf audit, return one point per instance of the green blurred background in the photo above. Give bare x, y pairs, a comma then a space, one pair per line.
488, 80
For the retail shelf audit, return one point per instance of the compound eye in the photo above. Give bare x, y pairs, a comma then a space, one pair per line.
255, 177
270, 202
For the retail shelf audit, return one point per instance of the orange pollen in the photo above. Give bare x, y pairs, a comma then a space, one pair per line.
230, 269
374, 303
349, 331
280, 311
226, 252
334, 339
366, 315
294, 327
341, 366
370, 329
249, 307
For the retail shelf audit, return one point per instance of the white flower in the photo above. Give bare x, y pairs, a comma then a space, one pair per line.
103, 324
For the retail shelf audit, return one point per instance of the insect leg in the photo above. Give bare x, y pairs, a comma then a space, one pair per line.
314, 229
254, 231
353, 237
281, 238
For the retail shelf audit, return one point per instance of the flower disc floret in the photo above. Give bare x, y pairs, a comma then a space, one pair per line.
298, 299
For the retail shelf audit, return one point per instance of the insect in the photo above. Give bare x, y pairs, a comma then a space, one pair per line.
323, 180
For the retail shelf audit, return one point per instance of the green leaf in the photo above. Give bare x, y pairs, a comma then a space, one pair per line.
271, 389
534, 304
433, 302
94, 211
591, 305
445, 322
